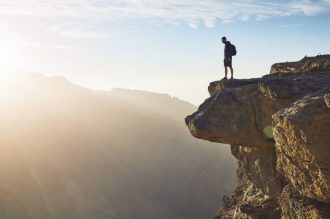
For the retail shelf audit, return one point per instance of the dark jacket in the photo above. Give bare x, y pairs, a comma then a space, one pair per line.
227, 50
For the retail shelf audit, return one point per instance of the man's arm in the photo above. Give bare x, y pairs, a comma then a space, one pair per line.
227, 51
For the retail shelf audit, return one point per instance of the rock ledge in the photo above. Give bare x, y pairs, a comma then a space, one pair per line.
278, 128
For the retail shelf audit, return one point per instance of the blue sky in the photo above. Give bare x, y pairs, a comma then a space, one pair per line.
163, 46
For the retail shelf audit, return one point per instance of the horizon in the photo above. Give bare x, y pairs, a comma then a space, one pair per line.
17, 76
169, 47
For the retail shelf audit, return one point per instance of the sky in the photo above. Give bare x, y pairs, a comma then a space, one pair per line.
171, 47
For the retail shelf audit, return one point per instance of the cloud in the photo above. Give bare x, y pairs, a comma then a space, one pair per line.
81, 34
50, 46
78, 33
191, 12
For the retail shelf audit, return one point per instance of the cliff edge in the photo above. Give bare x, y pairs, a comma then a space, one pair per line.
278, 127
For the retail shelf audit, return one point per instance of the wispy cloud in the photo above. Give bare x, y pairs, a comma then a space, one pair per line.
78, 32
82, 34
191, 12
50, 46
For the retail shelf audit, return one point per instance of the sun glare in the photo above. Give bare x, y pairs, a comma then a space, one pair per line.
9, 55
9, 59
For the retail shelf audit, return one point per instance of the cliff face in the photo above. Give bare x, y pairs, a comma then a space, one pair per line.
320, 63
278, 127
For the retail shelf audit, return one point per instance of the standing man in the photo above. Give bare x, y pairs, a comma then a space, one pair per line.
228, 58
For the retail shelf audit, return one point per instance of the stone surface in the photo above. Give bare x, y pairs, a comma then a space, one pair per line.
293, 86
293, 205
217, 86
257, 165
302, 136
279, 130
234, 116
257, 185
320, 63
238, 112
248, 202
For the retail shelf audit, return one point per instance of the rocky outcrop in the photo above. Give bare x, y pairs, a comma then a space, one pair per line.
320, 63
278, 128
303, 144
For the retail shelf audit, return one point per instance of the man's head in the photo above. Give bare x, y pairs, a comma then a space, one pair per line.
224, 39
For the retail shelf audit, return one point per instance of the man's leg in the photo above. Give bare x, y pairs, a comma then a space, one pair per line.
226, 72
231, 72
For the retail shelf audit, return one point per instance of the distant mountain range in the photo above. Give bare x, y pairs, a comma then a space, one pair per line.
68, 152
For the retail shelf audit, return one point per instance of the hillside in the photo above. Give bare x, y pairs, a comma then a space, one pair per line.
70, 152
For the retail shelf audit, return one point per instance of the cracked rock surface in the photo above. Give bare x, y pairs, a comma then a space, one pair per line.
278, 127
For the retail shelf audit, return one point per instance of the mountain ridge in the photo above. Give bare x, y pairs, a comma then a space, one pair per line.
70, 152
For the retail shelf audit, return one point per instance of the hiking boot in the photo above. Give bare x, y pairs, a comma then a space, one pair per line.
225, 78
231, 78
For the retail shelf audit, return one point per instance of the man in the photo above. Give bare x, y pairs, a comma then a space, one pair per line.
228, 58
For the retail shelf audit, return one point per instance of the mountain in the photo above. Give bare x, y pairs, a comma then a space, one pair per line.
69, 152
278, 127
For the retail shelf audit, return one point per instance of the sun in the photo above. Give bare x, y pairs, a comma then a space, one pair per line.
9, 55
9, 59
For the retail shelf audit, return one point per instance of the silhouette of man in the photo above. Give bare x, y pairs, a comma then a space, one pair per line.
228, 58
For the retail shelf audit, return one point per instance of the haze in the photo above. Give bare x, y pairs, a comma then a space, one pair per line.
70, 152
93, 96
169, 47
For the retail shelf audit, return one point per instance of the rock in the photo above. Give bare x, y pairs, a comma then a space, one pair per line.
240, 111
302, 138
248, 202
257, 185
320, 63
232, 116
278, 127
217, 86
294, 205
327, 99
257, 165
294, 86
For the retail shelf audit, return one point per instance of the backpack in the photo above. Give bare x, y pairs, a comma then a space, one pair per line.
233, 50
